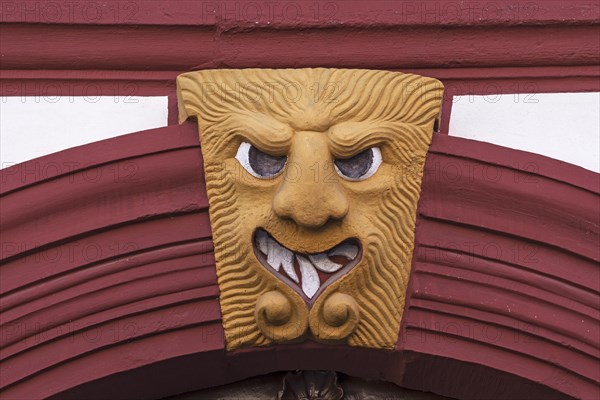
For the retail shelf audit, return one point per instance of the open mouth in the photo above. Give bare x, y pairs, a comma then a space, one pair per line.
306, 273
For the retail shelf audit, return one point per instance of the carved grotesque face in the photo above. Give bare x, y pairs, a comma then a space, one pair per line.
313, 177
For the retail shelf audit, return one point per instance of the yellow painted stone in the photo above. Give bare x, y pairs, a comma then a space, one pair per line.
314, 118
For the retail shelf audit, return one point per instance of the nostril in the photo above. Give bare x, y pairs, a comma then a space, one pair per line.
340, 207
341, 212
282, 206
312, 221
310, 206
311, 217
302, 213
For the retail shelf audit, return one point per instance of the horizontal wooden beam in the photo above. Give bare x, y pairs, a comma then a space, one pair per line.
232, 14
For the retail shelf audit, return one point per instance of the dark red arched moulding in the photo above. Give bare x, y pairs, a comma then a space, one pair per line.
109, 287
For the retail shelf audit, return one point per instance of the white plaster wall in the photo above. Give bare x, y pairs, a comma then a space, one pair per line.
31, 127
565, 126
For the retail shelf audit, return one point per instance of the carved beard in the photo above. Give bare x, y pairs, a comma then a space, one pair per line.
377, 282
384, 276
364, 306
242, 279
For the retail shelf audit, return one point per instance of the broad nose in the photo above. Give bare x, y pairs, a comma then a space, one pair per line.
310, 193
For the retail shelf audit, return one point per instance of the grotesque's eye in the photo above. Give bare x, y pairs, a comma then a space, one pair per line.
257, 163
361, 166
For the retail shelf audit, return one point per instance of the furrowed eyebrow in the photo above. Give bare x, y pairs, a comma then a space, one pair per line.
263, 132
350, 138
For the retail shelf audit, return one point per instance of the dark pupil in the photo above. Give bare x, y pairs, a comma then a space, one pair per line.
264, 164
356, 166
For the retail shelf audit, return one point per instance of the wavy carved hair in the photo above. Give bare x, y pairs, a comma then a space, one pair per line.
317, 99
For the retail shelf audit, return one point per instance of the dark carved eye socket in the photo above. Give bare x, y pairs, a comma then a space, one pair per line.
360, 166
258, 163
264, 164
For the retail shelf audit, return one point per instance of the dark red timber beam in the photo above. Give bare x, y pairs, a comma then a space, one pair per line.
137, 48
108, 284
104, 245
505, 269
107, 281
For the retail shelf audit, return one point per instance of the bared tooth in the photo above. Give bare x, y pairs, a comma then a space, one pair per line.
278, 256
310, 278
274, 256
323, 263
261, 240
287, 261
350, 251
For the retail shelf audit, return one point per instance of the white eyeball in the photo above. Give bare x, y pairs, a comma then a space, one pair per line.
359, 167
259, 164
